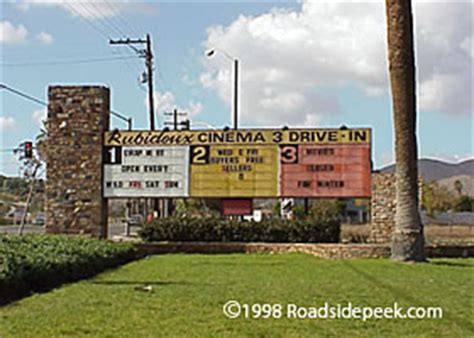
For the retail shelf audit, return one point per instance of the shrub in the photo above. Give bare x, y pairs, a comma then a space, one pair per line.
211, 229
327, 207
464, 204
39, 262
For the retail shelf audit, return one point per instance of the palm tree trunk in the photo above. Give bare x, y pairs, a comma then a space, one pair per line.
407, 238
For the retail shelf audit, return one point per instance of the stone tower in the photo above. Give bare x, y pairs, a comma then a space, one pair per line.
78, 116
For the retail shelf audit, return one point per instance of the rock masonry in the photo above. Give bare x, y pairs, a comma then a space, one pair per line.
77, 119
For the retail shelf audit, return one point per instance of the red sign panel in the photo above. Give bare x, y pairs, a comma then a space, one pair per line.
238, 206
341, 170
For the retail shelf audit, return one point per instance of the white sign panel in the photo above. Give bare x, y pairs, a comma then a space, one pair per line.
146, 171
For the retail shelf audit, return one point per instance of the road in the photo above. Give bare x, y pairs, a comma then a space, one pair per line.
115, 229
13, 229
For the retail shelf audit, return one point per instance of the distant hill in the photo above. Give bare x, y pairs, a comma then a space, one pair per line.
435, 170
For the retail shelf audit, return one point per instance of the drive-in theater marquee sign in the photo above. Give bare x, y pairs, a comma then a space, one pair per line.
238, 163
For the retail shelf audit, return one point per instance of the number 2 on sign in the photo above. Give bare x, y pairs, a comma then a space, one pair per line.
199, 154
289, 154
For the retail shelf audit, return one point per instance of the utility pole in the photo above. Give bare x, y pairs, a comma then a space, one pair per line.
148, 55
175, 123
236, 93
149, 66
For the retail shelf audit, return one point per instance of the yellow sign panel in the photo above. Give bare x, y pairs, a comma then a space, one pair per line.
234, 171
241, 136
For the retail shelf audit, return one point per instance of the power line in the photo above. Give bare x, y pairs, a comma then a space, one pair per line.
120, 17
108, 23
22, 94
34, 99
92, 16
113, 18
90, 23
148, 55
68, 62
103, 32
31, 98
168, 87
105, 21
133, 67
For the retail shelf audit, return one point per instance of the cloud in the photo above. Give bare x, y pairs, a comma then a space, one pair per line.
45, 38
466, 45
446, 92
295, 61
91, 9
444, 56
39, 116
11, 34
194, 108
7, 122
166, 102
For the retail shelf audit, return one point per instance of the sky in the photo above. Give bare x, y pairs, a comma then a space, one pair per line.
302, 64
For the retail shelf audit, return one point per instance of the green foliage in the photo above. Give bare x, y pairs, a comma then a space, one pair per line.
15, 189
464, 203
299, 212
14, 185
212, 229
436, 198
327, 208
276, 210
197, 207
38, 262
458, 187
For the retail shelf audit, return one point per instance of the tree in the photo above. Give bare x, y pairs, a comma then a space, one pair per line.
407, 238
325, 208
458, 187
464, 204
436, 198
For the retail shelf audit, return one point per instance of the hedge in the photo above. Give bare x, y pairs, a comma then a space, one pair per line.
222, 230
32, 263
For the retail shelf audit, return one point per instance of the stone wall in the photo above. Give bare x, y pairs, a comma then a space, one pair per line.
327, 251
382, 207
77, 119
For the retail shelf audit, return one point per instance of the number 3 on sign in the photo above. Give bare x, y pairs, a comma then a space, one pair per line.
289, 154
199, 154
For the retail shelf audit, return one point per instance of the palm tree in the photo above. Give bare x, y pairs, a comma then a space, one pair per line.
407, 238
458, 187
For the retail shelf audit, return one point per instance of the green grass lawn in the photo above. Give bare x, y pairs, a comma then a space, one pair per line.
190, 290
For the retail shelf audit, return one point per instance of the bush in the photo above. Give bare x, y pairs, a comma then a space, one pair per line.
464, 204
4, 221
211, 229
39, 262
327, 208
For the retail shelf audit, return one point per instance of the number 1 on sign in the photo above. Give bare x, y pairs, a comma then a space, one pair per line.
113, 155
